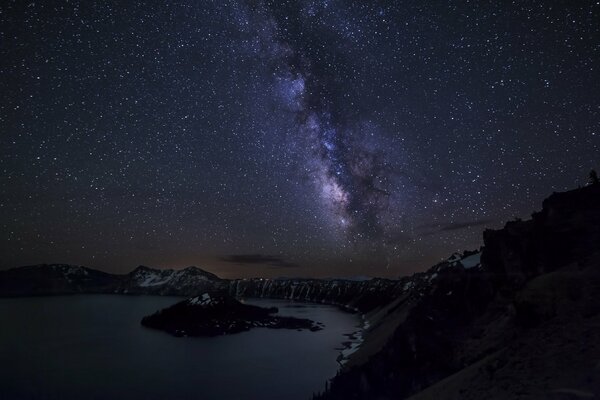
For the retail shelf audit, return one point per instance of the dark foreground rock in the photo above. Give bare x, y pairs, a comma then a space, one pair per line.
217, 313
522, 323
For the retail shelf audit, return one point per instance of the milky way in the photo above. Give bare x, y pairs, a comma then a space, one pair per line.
304, 138
346, 162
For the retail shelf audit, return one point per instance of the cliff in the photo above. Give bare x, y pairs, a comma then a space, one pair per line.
523, 324
362, 296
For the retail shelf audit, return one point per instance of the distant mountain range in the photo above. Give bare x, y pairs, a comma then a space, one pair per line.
54, 279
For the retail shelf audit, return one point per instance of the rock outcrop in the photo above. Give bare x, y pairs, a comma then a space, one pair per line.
217, 313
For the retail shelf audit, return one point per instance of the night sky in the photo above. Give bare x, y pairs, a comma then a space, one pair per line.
287, 138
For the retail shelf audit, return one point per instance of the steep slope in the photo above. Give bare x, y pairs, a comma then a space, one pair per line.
522, 324
553, 350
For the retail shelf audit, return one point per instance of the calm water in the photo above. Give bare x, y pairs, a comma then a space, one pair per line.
93, 347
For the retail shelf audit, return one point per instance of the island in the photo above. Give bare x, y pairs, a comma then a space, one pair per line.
218, 313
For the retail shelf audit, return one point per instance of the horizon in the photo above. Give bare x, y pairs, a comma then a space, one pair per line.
223, 272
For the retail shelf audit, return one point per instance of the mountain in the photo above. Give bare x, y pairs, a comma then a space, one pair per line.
185, 282
55, 279
518, 320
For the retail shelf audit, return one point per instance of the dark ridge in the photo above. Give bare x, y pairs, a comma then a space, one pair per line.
523, 324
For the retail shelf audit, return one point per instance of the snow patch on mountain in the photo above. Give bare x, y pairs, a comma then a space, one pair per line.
203, 300
175, 280
471, 261
146, 278
467, 260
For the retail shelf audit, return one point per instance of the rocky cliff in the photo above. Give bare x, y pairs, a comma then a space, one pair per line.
522, 324
360, 296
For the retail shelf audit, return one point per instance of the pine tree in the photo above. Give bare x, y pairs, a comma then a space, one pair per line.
594, 177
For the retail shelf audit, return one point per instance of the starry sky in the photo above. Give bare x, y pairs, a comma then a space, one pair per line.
287, 138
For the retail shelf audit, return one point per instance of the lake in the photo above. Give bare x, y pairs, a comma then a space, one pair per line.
93, 347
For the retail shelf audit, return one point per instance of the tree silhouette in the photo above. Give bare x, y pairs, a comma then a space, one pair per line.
594, 177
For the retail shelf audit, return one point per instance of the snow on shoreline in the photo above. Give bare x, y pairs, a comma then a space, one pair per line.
356, 339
